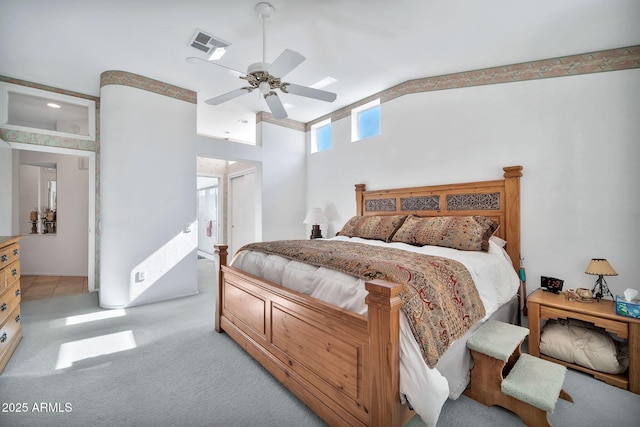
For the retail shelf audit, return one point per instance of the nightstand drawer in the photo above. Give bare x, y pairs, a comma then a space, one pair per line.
621, 329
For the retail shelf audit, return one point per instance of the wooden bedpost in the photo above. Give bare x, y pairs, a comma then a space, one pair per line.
512, 176
384, 304
221, 254
360, 199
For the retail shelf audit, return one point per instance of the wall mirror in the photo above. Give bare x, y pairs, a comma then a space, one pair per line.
35, 110
38, 198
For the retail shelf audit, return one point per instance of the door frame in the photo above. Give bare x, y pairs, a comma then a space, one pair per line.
258, 203
91, 248
220, 221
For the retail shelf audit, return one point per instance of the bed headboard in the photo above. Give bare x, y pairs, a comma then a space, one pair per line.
498, 200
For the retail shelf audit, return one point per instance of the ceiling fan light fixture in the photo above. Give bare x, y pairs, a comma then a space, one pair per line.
264, 87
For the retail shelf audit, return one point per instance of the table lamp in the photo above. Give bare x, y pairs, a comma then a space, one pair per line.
600, 267
315, 217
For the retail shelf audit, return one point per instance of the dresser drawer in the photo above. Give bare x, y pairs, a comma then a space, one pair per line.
9, 254
12, 273
9, 301
10, 333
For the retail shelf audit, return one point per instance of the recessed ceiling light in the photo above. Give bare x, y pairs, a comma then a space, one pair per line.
52, 105
243, 121
324, 82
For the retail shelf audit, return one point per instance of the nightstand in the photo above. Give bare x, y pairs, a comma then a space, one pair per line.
546, 305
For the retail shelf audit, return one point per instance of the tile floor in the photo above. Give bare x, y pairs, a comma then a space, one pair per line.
38, 287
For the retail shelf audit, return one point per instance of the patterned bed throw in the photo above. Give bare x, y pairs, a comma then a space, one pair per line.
439, 297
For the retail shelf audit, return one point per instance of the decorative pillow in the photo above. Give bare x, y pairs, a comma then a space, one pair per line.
584, 344
378, 227
467, 233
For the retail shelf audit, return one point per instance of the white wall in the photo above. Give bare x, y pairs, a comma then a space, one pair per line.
66, 252
577, 138
6, 183
283, 182
148, 197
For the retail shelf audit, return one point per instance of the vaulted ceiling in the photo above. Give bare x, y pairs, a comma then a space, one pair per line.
367, 46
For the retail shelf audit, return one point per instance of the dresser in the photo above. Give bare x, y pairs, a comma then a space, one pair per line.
10, 328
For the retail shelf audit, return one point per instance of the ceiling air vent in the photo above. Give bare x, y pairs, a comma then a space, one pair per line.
208, 44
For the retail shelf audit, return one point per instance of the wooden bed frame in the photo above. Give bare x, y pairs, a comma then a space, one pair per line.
345, 366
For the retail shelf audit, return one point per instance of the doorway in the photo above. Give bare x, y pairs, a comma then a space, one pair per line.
210, 190
242, 209
238, 190
33, 244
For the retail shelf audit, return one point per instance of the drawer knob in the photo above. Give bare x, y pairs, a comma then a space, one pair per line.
18, 293
14, 271
18, 318
3, 307
4, 258
3, 338
16, 252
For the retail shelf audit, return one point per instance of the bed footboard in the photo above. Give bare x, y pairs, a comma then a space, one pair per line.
344, 366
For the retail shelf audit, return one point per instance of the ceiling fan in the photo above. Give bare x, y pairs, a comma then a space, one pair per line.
267, 77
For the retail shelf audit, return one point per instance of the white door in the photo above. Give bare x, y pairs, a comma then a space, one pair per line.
243, 210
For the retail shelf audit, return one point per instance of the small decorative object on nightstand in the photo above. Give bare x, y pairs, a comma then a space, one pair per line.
315, 217
600, 267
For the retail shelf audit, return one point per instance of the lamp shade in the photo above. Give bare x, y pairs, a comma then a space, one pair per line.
315, 216
600, 267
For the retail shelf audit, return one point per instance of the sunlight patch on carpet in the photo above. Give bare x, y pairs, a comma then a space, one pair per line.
91, 317
74, 351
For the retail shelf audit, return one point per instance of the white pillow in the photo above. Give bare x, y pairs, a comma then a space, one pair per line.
584, 344
498, 241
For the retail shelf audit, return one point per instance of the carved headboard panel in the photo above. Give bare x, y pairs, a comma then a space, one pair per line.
498, 200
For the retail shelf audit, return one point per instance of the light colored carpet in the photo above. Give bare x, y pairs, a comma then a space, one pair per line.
163, 365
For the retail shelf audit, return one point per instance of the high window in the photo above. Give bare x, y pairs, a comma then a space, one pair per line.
321, 136
365, 121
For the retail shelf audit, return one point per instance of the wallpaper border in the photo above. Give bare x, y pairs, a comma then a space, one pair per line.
125, 78
586, 63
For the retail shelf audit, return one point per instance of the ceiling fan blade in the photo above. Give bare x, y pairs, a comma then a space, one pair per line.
196, 60
275, 105
309, 92
228, 96
287, 61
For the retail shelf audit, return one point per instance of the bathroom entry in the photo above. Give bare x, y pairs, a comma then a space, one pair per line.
209, 214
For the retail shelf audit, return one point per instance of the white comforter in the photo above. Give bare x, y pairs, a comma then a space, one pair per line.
426, 389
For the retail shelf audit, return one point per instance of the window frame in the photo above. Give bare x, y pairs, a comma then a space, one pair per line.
89, 121
315, 128
355, 120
